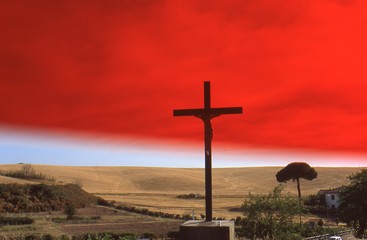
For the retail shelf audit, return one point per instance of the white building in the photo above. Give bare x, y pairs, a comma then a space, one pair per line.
331, 198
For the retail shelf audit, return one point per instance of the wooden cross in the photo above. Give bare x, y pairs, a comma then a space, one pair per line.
206, 114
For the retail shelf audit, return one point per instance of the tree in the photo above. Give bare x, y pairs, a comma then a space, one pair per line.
78, 182
353, 203
69, 211
270, 216
27, 171
294, 171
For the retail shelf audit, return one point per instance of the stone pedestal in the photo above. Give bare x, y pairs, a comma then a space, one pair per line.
201, 230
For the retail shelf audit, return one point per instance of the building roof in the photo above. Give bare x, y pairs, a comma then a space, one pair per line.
330, 191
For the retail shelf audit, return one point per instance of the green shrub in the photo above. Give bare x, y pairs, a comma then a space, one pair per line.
42, 197
103, 202
186, 217
64, 237
30, 237
69, 211
174, 235
128, 236
15, 220
47, 237
105, 236
191, 196
151, 236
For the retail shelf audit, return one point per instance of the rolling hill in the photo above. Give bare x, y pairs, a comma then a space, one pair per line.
226, 181
157, 188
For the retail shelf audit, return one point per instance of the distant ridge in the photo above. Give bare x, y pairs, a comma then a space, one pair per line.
226, 181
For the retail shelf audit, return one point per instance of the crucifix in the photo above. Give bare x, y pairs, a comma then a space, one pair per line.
206, 114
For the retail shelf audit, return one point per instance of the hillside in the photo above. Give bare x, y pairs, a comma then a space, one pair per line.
21, 198
226, 181
157, 188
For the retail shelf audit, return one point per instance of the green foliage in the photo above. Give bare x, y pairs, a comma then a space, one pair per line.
295, 171
191, 196
128, 237
307, 230
106, 236
186, 217
69, 211
315, 203
47, 237
269, 216
353, 203
18, 198
87, 236
103, 202
150, 236
15, 220
64, 237
174, 235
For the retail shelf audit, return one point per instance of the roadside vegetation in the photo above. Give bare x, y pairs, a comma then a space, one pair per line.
272, 216
353, 204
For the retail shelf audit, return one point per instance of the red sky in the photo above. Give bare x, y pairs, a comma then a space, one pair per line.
119, 68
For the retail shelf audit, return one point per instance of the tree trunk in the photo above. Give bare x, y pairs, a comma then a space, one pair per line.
298, 188
361, 228
299, 199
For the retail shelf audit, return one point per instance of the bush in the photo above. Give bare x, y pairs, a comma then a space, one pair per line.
186, 217
47, 237
105, 236
128, 236
30, 237
64, 237
15, 220
42, 197
174, 235
191, 196
103, 202
69, 211
27, 172
78, 182
151, 236
269, 216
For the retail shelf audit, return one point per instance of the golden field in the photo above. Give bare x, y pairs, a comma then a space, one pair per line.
157, 188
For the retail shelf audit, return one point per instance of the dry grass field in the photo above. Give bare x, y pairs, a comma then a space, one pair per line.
110, 220
157, 188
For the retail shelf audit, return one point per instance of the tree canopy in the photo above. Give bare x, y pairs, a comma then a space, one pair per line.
270, 216
295, 171
353, 202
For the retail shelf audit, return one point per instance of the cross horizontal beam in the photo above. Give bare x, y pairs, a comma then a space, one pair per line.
211, 111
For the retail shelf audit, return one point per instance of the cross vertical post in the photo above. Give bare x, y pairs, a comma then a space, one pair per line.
208, 136
206, 114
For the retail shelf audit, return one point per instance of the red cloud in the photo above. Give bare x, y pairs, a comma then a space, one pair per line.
121, 67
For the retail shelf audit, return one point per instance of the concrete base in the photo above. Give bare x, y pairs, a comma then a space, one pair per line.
201, 230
